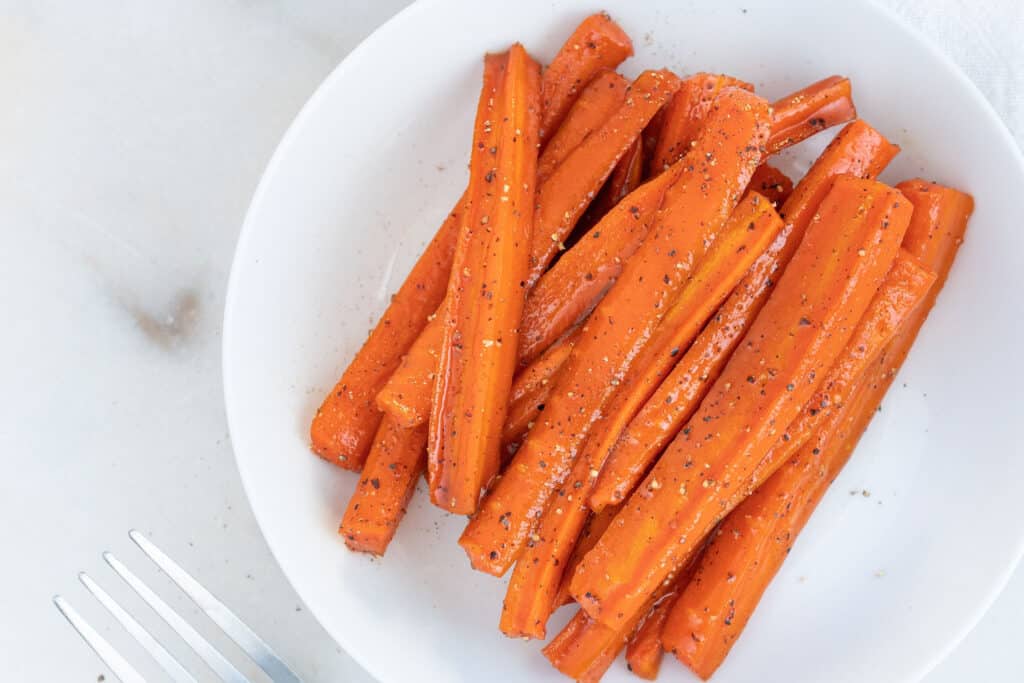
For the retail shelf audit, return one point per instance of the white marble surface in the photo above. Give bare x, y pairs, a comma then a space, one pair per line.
131, 138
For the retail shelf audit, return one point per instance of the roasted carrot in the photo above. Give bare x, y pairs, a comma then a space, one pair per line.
626, 177
684, 116
585, 648
485, 295
649, 138
595, 525
343, 428
753, 225
389, 477
570, 188
751, 544
598, 43
531, 387
772, 183
738, 566
728, 150
858, 149
905, 287
644, 651
800, 115
530, 597
595, 104
829, 283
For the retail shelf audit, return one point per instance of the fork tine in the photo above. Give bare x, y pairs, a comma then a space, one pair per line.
236, 629
165, 659
214, 659
114, 661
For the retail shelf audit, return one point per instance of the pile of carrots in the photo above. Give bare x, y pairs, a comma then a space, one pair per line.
635, 353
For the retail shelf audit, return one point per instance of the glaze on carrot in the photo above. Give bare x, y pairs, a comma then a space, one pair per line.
800, 115
595, 525
644, 651
389, 477
772, 183
597, 44
627, 176
531, 387
728, 150
753, 225
595, 104
486, 292
830, 281
859, 150
684, 116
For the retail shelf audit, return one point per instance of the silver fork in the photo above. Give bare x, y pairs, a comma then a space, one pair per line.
245, 637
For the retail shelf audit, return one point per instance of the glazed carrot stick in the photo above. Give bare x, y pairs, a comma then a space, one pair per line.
684, 115
530, 388
750, 229
728, 150
584, 273
800, 115
649, 138
644, 651
906, 285
626, 177
598, 43
530, 597
395, 463
485, 296
728, 581
772, 183
595, 104
859, 150
569, 189
585, 648
344, 426
752, 543
595, 525
560, 298
830, 281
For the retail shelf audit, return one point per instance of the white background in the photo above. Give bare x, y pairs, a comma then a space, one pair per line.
132, 136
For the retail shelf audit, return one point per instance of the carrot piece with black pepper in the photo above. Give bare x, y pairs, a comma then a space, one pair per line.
859, 150
595, 104
388, 480
738, 566
645, 651
486, 291
598, 43
705, 193
772, 183
595, 525
800, 115
531, 387
627, 176
684, 116
843, 258
751, 228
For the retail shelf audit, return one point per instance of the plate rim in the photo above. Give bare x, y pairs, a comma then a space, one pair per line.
352, 61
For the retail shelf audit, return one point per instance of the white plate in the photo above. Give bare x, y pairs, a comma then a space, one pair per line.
878, 588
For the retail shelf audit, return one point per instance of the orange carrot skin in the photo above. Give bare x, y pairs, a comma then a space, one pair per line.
772, 183
727, 582
684, 116
485, 297
577, 280
820, 105
829, 283
645, 651
344, 426
905, 287
705, 194
407, 393
753, 225
530, 597
598, 43
859, 150
595, 525
595, 104
530, 388
627, 176
569, 189
395, 463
